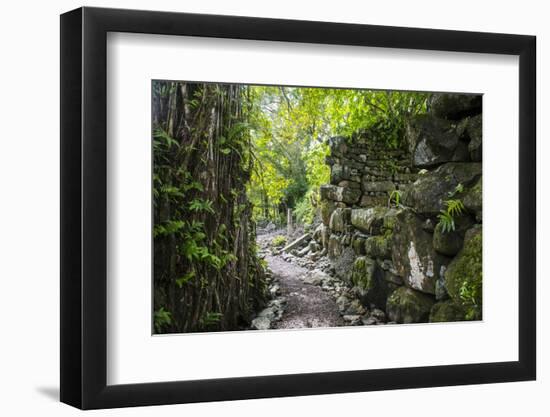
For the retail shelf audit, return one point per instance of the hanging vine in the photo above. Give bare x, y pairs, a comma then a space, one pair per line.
206, 272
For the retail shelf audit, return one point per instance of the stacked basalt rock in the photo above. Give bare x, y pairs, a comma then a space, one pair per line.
392, 251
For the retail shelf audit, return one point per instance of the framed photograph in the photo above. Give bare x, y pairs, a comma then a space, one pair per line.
257, 208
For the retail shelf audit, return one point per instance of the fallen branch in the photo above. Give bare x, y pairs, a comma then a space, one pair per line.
298, 242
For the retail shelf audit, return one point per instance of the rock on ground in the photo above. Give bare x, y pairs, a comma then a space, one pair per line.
307, 305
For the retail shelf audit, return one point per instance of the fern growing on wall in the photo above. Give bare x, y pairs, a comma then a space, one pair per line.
454, 208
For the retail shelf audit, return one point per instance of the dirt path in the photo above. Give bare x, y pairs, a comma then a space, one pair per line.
307, 305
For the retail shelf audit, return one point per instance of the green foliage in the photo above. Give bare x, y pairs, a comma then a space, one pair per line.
279, 241
161, 319
196, 252
306, 209
162, 139
395, 198
210, 319
383, 112
318, 173
470, 294
206, 270
453, 208
168, 228
180, 282
446, 222
201, 205
458, 189
290, 127
464, 278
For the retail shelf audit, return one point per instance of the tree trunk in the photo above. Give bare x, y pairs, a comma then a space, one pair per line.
207, 275
289, 225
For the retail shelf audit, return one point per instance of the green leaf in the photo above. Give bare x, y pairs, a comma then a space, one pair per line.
168, 228
161, 319
161, 138
185, 279
201, 205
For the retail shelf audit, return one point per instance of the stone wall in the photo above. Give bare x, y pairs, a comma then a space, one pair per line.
364, 171
391, 251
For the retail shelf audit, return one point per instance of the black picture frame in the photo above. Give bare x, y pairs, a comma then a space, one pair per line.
84, 207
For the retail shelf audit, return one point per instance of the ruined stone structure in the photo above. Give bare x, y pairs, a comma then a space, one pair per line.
381, 228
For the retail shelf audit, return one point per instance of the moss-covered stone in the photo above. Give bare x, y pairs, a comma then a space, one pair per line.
339, 219
474, 132
370, 220
343, 264
325, 236
358, 244
455, 106
317, 233
363, 271
328, 192
446, 311
346, 195
339, 173
433, 141
376, 186
371, 201
431, 189
450, 242
327, 207
405, 305
447, 243
464, 275
473, 199
390, 219
441, 288
368, 281
338, 145
378, 246
413, 254
393, 278
350, 195
334, 247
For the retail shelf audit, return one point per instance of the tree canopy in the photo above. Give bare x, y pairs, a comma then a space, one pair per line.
290, 127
